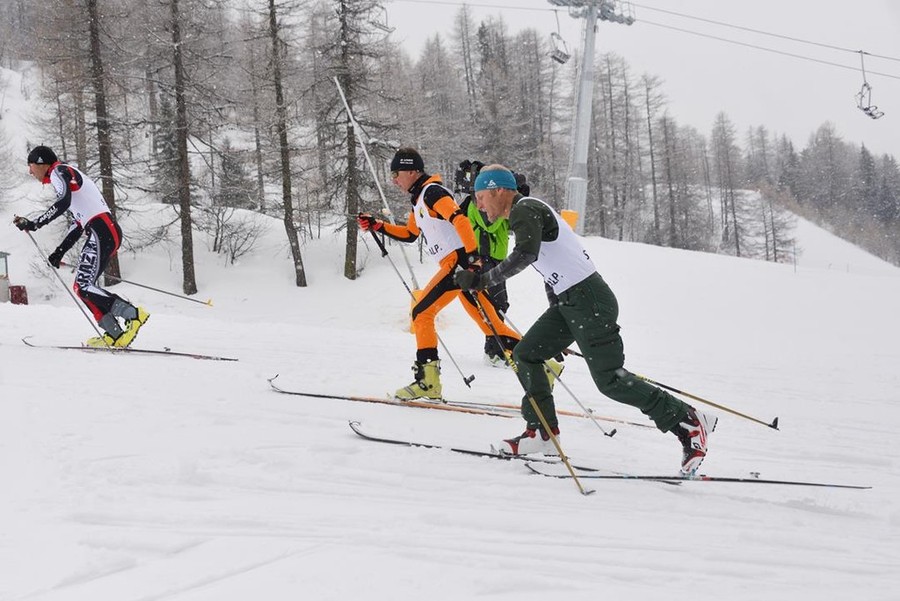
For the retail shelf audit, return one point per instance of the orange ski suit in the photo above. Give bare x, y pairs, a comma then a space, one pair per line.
441, 290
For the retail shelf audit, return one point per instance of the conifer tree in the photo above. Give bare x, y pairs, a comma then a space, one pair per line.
726, 155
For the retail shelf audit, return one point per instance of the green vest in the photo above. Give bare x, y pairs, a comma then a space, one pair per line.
493, 238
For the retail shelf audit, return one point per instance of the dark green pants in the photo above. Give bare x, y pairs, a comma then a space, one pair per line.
587, 314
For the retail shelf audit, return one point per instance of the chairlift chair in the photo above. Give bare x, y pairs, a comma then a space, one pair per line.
864, 96
864, 102
383, 26
560, 52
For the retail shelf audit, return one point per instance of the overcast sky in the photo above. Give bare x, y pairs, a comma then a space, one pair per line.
704, 76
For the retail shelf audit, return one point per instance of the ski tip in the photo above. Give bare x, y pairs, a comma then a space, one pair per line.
272, 379
612, 433
588, 492
774, 424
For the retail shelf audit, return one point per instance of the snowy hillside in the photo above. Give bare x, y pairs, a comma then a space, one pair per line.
130, 478
822, 250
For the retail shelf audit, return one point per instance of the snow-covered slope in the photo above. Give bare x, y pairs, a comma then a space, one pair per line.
135, 478
820, 249
132, 477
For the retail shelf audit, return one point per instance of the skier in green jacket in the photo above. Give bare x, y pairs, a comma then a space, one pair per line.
582, 309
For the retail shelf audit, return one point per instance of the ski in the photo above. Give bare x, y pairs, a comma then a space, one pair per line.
357, 428
538, 469
437, 405
128, 350
565, 412
492, 409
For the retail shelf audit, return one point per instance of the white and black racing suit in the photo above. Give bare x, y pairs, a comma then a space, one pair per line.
78, 194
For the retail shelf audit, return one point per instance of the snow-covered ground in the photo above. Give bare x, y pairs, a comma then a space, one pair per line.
128, 477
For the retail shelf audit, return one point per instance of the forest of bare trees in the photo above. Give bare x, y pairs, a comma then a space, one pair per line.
223, 111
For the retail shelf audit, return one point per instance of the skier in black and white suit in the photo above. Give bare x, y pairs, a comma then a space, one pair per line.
78, 194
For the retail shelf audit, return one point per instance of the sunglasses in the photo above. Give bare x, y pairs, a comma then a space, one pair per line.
395, 174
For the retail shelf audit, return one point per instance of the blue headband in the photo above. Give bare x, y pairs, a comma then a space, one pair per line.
495, 178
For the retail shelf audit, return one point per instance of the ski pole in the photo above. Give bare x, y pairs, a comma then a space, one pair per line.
384, 253
512, 364
74, 300
207, 302
358, 132
773, 424
565, 351
587, 411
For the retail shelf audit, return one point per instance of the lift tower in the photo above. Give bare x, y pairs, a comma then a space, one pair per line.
590, 10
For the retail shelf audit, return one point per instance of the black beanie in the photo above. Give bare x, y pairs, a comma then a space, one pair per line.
407, 159
42, 155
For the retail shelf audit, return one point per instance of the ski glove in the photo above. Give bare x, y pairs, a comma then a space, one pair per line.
470, 261
56, 257
367, 222
25, 224
468, 280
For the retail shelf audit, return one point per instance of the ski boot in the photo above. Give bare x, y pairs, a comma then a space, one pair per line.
426, 385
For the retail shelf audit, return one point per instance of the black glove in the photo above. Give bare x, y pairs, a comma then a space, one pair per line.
468, 280
367, 222
466, 260
25, 224
56, 257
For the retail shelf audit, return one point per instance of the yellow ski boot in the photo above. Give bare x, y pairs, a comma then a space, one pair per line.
105, 341
132, 326
427, 384
553, 369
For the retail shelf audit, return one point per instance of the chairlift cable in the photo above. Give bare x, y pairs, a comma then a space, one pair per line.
763, 48
478, 4
697, 33
766, 33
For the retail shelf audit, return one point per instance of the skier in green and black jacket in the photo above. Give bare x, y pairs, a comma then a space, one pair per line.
582, 309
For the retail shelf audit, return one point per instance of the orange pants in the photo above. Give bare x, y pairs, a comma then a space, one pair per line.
437, 294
